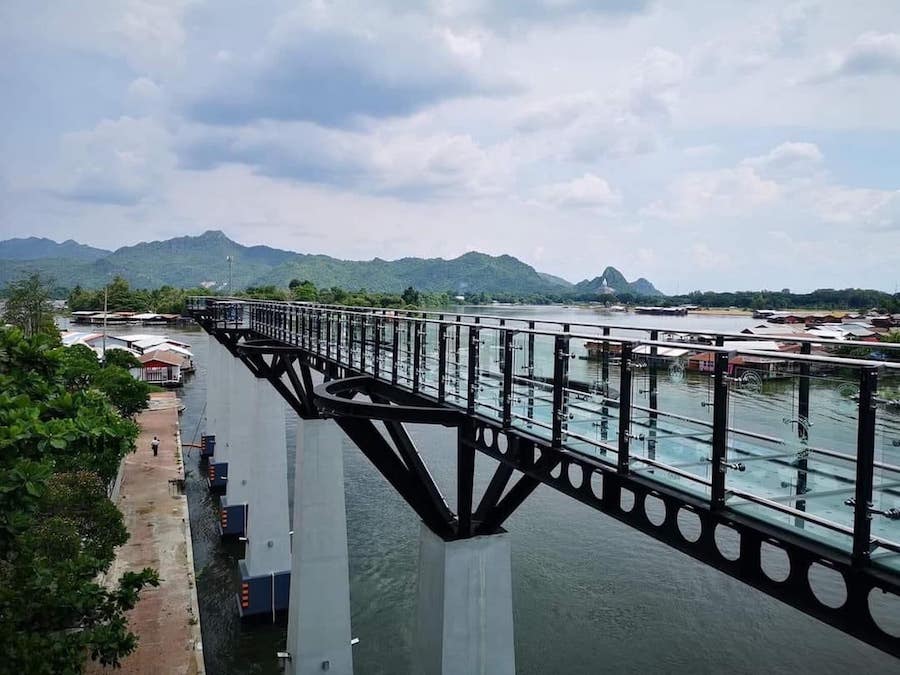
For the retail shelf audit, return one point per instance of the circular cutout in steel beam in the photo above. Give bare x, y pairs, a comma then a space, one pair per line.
626, 500
728, 541
775, 562
885, 610
828, 585
597, 484
689, 525
655, 508
487, 437
576, 475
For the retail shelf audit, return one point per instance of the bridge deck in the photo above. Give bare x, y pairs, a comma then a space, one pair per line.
786, 439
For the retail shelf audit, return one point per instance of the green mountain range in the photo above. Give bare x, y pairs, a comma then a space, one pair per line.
35, 248
202, 260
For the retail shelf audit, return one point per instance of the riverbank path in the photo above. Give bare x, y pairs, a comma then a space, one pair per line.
166, 619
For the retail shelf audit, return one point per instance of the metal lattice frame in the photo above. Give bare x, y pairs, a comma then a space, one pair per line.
638, 501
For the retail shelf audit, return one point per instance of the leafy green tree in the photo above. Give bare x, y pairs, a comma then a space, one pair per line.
126, 393
28, 305
304, 291
121, 358
61, 441
410, 296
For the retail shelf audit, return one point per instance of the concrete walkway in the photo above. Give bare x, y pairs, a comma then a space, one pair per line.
166, 619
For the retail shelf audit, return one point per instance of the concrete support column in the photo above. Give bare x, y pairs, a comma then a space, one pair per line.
318, 635
268, 528
218, 411
239, 447
242, 433
464, 620
265, 569
213, 389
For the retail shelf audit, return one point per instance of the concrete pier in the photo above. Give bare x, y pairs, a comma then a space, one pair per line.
218, 411
318, 635
261, 481
464, 620
240, 447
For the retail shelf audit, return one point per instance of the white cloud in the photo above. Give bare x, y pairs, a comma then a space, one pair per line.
148, 34
733, 192
871, 53
119, 161
864, 208
589, 191
588, 125
788, 160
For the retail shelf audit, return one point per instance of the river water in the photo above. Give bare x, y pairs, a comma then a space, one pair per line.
590, 595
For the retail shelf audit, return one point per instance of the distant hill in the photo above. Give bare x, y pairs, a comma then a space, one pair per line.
34, 248
559, 281
194, 260
471, 272
613, 281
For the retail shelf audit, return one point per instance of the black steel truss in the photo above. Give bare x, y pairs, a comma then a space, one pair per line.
613, 490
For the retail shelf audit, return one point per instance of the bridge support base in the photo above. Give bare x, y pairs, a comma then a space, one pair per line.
217, 477
318, 635
464, 620
232, 518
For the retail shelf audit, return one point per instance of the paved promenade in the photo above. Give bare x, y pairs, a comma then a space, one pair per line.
166, 619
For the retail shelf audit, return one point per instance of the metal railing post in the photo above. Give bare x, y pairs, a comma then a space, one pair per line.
417, 355
376, 345
395, 348
865, 469
654, 403
473, 368
625, 371
442, 362
363, 330
720, 431
560, 371
530, 413
351, 338
508, 367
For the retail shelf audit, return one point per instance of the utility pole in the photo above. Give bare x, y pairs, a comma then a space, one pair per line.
230, 260
105, 315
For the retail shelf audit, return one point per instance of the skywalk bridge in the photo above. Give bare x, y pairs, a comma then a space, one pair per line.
781, 469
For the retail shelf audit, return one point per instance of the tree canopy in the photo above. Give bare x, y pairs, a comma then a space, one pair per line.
28, 305
61, 442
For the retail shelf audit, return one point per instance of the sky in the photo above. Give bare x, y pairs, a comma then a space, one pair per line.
701, 144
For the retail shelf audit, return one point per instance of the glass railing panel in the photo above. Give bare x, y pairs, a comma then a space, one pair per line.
456, 368
532, 384
802, 466
591, 412
405, 351
489, 392
886, 473
429, 359
671, 419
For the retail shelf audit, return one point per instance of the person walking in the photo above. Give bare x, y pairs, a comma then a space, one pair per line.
155, 445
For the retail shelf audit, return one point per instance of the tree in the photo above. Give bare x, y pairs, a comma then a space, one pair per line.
61, 442
121, 358
28, 305
410, 296
304, 291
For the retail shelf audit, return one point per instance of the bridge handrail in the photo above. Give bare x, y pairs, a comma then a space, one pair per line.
613, 339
